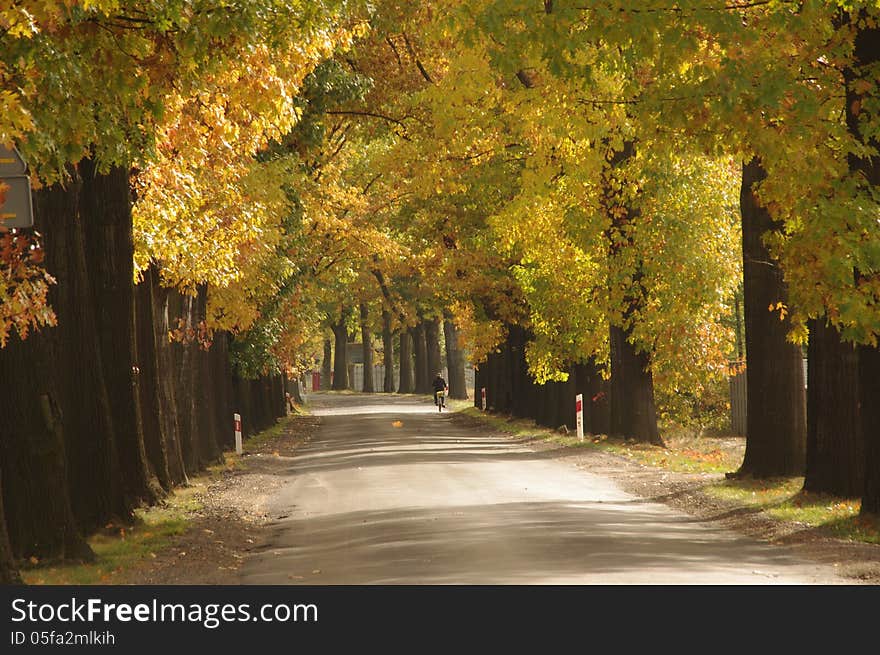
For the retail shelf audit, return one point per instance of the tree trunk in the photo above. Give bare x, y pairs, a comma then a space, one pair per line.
39, 519
775, 397
148, 382
387, 353
92, 462
420, 350
164, 320
340, 360
869, 388
835, 457
633, 413
566, 413
865, 54
221, 372
367, 341
432, 344
407, 375
479, 383
8, 570
184, 380
454, 360
595, 390
327, 365
109, 247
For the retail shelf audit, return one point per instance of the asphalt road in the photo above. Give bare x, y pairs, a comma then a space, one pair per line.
391, 492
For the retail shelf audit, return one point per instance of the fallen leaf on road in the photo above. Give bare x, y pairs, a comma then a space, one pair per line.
397, 424
316, 571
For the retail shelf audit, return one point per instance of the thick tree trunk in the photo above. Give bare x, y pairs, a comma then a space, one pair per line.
340, 360
148, 382
39, 519
432, 344
866, 169
93, 470
479, 383
835, 458
566, 414
221, 372
775, 397
407, 374
454, 361
185, 380
109, 247
327, 365
387, 353
367, 341
164, 320
521, 388
595, 390
8, 570
633, 413
869, 388
420, 350
207, 427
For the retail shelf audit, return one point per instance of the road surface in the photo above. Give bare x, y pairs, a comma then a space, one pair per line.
391, 492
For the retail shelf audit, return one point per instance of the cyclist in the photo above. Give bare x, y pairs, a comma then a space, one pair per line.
439, 385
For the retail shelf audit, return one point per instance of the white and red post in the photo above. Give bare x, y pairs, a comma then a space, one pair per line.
236, 422
483, 399
579, 413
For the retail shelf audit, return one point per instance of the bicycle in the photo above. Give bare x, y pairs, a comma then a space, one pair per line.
441, 399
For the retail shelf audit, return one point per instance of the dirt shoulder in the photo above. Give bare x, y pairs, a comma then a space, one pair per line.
232, 518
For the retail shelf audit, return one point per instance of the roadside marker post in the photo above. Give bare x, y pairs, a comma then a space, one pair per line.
579, 412
236, 421
483, 398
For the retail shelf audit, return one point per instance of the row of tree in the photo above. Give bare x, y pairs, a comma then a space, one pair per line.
417, 357
141, 311
580, 193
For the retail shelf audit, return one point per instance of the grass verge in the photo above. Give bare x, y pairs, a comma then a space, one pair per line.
118, 547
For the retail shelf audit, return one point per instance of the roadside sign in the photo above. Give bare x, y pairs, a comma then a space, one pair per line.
16, 210
579, 411
236, 423
11, 163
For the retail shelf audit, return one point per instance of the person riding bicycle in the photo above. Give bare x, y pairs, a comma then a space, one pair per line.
439, 385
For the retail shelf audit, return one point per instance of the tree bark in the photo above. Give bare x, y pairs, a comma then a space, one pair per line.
340, 361
595, 390
109, 246
432, 344
454, 360
38, 518
775, 396
164, 320
327, 365
835, 456
93, 470
420, 350
407, 374
387, 353
148, 382
867, 170
633, 413
8, 570
367, 341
